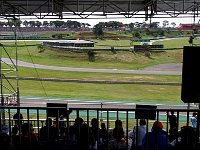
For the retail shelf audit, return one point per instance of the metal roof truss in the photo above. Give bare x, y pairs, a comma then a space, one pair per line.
94, 8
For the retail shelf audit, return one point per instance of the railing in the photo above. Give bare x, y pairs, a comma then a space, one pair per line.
130, 118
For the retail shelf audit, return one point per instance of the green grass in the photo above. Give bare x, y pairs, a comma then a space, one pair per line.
176, 43
116, 92
111, 92
131, 93
40, 73
121, 60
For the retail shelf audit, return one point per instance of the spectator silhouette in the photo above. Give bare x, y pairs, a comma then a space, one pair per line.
103, 136
5, 141
155, 140
18, 117
62, 123
15, 130
191, 40
193, 120
86, 139
139, 133
94, 128
27, 140
172, 120
49, 135
74, 130
189, 139
118, 124
48, 132
119, 142
74, 133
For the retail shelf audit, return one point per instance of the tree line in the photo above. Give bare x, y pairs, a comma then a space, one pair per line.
76, 24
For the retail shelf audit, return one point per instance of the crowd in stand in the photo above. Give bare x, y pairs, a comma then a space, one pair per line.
55, 135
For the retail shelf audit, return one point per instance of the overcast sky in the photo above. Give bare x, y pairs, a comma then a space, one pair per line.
92, 22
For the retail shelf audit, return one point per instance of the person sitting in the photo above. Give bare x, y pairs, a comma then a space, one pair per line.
73, 134
94, 128
119, 141
103, 136
118, 124
139, 133
155, 140
18, 117
86, 139
15, 130
188, 140
74, 130
48, 132
5, 141
49, 135
27, 140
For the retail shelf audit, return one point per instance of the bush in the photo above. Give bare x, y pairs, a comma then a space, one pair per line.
91, 55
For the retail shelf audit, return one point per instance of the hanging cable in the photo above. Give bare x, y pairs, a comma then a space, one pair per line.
33, 64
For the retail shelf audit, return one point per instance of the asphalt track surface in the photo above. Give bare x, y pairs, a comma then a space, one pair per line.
41, 102
162, 69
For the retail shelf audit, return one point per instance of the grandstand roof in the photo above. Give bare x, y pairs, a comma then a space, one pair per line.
86, 8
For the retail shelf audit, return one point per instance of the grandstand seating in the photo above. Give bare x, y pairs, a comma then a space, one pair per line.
38, 115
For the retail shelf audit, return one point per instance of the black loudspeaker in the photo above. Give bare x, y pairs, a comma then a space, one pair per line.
62, 110
145, 112
190, 91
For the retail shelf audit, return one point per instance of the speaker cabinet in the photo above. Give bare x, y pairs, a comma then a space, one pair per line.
62, 110
145, 112
190, 91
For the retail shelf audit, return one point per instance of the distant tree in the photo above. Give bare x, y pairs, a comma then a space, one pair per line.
45, 23
2, 24
98, 30
114, 24
26, 23
173, 24
40, 48
17, 22
131, 26
154, 25
10, 23
91, 55
82, 25
162, 33
58, 23
38, 23
51, 24
87, 25
14, 22
137, 35
76, 24
144, 25
72, 24
32, 23
137, 25
165, 23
